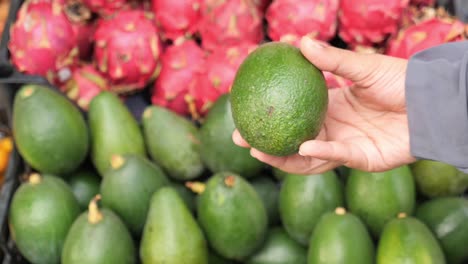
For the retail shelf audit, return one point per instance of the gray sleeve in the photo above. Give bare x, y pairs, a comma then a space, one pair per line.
437, 104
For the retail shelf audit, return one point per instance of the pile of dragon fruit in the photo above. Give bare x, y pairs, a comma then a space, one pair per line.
186, 52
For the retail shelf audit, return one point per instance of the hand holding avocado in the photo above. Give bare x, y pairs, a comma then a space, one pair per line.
365, 126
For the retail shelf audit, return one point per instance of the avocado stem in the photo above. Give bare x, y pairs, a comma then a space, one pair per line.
27, 92
196, 187
340, 211
94, 215
147, 113
34, 178
230, 181
402, 215
117, 161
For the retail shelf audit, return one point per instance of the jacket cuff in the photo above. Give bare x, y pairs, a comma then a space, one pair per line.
436, 103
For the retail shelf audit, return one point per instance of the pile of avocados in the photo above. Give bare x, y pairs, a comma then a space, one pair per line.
107, 189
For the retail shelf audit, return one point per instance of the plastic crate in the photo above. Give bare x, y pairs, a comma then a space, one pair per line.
11, 181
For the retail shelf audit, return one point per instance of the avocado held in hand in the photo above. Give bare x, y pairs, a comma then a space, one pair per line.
278, 99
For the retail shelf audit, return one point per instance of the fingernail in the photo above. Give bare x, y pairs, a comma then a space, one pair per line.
235, 141
308, 41
252, 152
300, 153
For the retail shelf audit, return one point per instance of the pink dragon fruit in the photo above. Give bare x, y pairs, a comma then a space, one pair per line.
222, 65
86, 82
177, 18
425, 35
200, 96
289, 20
216, 79
180, 63
335, 81
106, 7
230, 23
366, 22
42, 41
127, 50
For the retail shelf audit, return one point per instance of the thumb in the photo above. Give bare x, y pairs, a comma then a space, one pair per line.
348, 64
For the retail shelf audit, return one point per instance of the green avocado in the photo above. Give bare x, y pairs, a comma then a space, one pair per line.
447, 217
171, 234
84, 185
50, 132
114, 131
232, 216
343, 238
279, 248
378, 197
304, 199
218, 151
41, 213
268, 191
406, 239
278, 99
173, 142
437, 179
98, 236
127, 188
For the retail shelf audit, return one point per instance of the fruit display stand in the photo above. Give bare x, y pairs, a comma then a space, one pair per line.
11, 80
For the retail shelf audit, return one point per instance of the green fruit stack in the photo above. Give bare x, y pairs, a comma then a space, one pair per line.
106, 188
